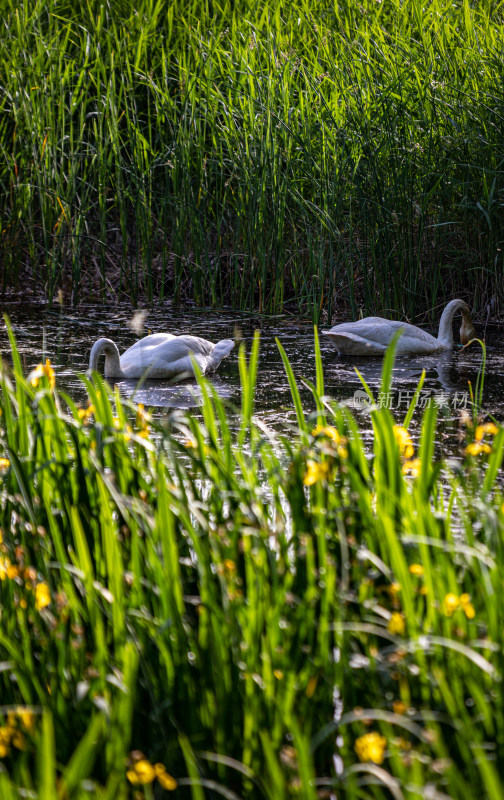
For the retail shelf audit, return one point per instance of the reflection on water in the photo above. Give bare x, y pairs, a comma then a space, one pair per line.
67, 337
156, 394
406, 369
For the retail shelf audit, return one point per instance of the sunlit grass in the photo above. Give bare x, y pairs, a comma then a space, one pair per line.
318, 154
208, 608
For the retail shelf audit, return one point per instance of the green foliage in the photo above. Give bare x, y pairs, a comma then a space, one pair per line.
254, 153
243, 607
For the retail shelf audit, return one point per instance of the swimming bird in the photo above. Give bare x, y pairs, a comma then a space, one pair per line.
160, 355
372, 335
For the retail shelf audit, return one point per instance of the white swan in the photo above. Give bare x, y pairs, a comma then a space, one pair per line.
372, 335
160, 355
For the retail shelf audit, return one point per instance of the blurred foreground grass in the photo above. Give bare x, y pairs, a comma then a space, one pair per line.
245, 615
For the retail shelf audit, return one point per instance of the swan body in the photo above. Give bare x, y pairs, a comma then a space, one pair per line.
160, 356
371, 336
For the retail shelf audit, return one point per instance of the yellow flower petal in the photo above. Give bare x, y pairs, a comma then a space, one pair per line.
12, 572
316, 471
488, 428
328, 431
404, 442
371, 747
4, 567
41, 371
42, 596
132, 777
396, 624
467, 606
144, 771
142, 416
469, 611
165, 779
85, 413
450, 604
412, 467
26, 718
475, 449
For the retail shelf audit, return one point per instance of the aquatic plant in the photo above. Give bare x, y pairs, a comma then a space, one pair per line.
207, 606
312, 154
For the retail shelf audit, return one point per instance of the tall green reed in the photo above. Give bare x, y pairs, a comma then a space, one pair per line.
309, 157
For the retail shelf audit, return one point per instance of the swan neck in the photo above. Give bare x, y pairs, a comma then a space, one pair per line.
445, 335
112, 358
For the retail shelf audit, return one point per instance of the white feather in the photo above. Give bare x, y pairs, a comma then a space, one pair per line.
371, 336
160, 356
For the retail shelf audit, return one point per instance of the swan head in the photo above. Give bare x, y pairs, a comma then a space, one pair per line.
467, 331
445, 336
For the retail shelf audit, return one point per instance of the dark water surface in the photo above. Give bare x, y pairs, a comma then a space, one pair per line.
66, 337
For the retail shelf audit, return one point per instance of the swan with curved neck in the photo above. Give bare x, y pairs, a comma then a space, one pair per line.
160, 356
372, 335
